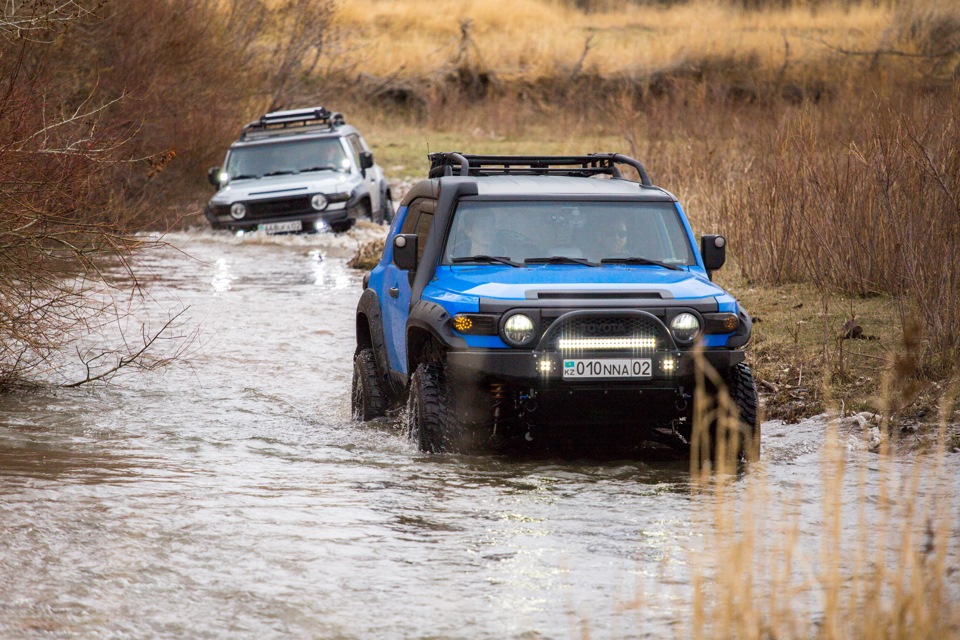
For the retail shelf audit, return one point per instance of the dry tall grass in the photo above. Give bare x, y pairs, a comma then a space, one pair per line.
410, 41
864, 198
531, 39
888, 549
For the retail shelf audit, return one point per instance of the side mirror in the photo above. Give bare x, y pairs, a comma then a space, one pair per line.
213, 176
405, 251
714, 252
366, 160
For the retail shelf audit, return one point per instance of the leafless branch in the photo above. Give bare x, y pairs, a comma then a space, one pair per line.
873, 53
137, 359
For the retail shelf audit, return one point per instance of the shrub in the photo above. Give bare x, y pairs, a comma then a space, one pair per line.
863, 205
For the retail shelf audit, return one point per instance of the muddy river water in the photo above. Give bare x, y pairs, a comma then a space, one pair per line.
233, 496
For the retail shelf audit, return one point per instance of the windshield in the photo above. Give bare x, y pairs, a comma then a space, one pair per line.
583, 231
289, 156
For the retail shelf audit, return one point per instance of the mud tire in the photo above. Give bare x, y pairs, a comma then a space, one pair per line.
432, 422
342, 226
367, 398
386, 209
365, 211
745, 442
743, 392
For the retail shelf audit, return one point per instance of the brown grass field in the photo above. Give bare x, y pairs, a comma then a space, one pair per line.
531, 39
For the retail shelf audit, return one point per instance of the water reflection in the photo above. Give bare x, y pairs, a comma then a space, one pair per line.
222, 276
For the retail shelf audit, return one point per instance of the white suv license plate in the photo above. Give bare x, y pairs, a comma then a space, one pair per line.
280, 227
608, 368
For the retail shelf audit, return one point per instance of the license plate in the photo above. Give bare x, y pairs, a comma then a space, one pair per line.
608, 368
280, 227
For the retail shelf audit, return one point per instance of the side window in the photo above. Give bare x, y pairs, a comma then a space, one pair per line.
355, 146
677, 243
413, 216
423, 231
419, 220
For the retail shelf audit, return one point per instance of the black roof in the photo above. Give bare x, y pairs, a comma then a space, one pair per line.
594, 164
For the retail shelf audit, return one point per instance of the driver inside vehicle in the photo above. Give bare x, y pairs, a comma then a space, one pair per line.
612, 240
493, 230
482, 235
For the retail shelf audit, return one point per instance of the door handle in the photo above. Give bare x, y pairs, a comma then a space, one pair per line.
394, 292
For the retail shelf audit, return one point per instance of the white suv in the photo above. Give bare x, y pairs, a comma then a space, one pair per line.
302, 170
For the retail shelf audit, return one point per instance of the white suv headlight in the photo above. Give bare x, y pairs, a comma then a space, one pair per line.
685, 327
318, 202
238, 210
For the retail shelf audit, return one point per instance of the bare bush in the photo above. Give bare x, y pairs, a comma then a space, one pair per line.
865, 205
932, 27
108, 110
300, 29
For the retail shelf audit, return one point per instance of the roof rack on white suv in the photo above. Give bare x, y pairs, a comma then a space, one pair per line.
282, 123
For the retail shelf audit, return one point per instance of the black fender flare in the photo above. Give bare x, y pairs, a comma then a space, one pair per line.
433, 319
368, 311
742, 335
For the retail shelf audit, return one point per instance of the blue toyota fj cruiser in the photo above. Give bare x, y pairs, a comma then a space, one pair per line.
517, 294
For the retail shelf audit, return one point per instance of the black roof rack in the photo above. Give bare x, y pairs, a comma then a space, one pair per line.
278, 123
450, 163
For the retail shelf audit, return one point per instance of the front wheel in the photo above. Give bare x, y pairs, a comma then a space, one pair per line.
386, 209
365, 211
735, 434
431, 419
342, 226
743, 392
367, 398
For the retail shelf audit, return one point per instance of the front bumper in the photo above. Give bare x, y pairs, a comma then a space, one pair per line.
339, 212
308, 221
544, 369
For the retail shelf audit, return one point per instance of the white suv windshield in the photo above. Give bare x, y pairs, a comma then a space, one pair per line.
592, 231
289, 156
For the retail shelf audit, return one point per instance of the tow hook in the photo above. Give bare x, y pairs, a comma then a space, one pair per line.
529, 401
682, 399
528, 436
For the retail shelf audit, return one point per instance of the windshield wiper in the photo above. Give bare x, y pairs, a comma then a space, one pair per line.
638, 260
245, 177
326, 167
278, 173
561, 260
483, 258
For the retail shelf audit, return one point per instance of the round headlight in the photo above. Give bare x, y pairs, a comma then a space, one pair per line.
318, 202
237, 210
685, 327
518, 330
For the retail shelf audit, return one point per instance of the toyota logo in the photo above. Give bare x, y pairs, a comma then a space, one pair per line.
605, 328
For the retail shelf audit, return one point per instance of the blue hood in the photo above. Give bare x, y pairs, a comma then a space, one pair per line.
512, 283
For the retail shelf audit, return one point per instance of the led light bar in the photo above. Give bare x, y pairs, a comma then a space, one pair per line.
607, 343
